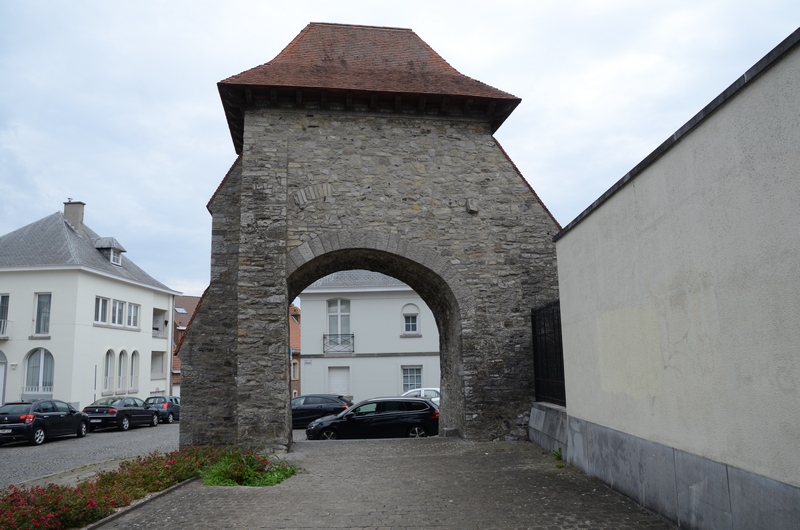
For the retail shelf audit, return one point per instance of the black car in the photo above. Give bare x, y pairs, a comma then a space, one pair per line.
308, 408
390, 417
38, 420
169, 407
121, 413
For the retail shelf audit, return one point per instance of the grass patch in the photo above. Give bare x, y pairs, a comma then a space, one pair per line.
54, 507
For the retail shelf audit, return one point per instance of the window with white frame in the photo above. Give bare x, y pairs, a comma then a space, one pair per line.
115, 257
410, 321
101, 310
39, 370
412, 377
295, 370
133, 315
108, 372
339, 317
117, 313
4, 315
42, 320
122, 376
134, 371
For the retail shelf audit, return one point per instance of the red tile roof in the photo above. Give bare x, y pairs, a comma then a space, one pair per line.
374, 59
360, 68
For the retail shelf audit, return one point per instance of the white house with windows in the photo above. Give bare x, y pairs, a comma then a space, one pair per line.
79, 320
364, 335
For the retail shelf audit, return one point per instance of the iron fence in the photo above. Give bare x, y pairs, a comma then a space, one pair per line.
548, 354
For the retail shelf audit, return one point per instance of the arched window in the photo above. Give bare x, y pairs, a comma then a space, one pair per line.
122, 376
411, 321
108, 372
39, 369
134, 371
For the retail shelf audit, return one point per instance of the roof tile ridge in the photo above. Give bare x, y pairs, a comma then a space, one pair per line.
69, 233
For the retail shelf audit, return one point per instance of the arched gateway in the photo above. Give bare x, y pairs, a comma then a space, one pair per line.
361, 148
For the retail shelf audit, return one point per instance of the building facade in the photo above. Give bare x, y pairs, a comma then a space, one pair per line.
367, 335
78, 319
679, 305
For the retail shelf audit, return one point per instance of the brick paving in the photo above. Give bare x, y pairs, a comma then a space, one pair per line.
436, 483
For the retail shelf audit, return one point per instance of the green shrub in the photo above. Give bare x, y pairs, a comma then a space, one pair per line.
54, 507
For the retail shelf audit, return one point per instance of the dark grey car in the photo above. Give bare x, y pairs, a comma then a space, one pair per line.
36, 421
122, 413
169, 407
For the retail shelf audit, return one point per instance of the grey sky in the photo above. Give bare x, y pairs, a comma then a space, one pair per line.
115, 103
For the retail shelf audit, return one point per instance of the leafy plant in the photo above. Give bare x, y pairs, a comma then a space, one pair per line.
556, 454
54, 507
246, 470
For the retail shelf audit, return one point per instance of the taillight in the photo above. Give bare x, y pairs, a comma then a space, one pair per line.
435, 415
345, 407
27, 418
112, 411
165, 406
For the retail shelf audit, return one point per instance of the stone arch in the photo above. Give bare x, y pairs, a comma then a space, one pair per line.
439, 284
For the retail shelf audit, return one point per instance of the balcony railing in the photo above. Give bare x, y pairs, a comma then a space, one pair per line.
37, 390
338, 343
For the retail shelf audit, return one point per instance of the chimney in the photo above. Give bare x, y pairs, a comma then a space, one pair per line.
73, 214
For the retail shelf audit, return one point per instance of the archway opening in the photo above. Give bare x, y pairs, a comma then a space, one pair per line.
434, 292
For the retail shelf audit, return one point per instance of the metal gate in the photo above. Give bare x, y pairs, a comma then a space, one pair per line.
548, 354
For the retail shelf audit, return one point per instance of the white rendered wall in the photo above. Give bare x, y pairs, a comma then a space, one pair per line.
680, 296
77, 345
381, 352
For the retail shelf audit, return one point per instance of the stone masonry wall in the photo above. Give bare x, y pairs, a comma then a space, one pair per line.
432, 201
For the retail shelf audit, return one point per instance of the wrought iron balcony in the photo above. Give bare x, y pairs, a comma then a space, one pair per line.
338, 343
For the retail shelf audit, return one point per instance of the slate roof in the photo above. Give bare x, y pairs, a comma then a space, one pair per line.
373, 65
51, 242
357, 278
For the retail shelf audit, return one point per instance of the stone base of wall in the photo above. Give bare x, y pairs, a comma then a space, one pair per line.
692, 491
547, 427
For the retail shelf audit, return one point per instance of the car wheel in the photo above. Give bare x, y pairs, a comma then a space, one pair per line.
328, 434
154, 422
170, 418
125, 424
38, 436
417, 432
82, 429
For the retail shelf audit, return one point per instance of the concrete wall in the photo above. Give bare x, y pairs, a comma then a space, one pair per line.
680, 302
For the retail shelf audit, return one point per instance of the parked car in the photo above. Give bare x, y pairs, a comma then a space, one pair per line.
430, 393
122, 413
35, 421
169, 407
308, 408
389, 417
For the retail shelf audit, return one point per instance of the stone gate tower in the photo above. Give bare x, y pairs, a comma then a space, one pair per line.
361, 148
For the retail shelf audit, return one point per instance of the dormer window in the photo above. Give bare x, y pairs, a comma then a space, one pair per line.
110, 248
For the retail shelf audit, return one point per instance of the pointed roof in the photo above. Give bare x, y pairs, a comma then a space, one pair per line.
374, 65
52, 243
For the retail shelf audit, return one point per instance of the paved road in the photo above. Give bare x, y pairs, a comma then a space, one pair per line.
23, 463
437, 483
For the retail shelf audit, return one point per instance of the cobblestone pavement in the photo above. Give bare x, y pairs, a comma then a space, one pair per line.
436, 483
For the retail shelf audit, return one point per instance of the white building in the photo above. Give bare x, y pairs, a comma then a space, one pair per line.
364, 335
78, 320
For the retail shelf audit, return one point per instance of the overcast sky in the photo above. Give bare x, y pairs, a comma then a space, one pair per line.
115, 103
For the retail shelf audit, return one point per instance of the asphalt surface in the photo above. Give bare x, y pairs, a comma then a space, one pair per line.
433, 483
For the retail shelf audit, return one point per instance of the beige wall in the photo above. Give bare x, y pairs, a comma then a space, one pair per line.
680, 295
